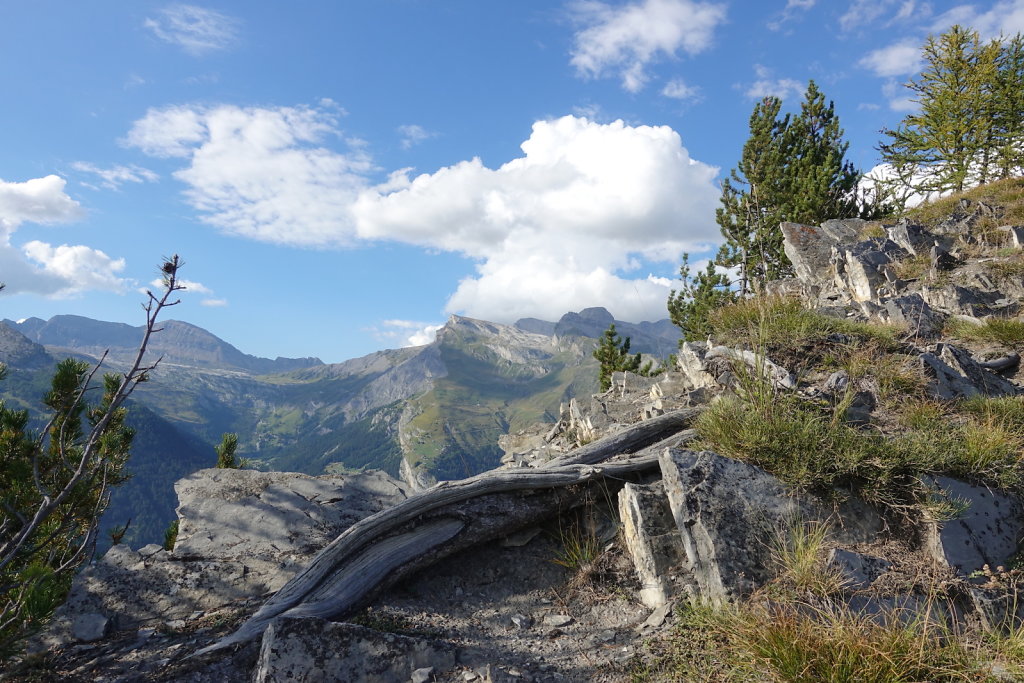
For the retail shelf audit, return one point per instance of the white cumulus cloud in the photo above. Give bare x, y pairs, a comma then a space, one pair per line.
559, 228
38, 267
413, 134
406, 332
899, 59
196, 30
677, 89
562, 227
625, 39
262, 173
1005, 17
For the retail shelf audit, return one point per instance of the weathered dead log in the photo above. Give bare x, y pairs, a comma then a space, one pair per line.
629, 440
421, 530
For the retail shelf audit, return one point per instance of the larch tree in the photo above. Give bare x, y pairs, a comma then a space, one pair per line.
969, 126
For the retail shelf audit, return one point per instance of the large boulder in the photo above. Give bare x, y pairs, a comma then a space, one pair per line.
241, 533
727, 513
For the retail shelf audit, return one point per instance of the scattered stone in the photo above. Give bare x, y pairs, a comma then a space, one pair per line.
557, 620
1015, 234
423, 675
942, 260
913, 238
521, 621
658, 616
858, 571
90, 627
914, 314
985, 382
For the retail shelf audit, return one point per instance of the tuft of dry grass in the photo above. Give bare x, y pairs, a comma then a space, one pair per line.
1007, 194
1006, 331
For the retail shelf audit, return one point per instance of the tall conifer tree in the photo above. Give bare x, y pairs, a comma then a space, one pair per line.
791, 169
951, 142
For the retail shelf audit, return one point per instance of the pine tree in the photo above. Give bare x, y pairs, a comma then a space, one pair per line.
613, 355
821, 183
1008, 108
54, 485
226, 452
792, 168
690, 307
750, 211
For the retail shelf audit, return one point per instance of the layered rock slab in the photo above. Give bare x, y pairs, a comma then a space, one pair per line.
727, 513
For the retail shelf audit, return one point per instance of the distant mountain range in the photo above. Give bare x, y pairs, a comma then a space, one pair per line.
433, 411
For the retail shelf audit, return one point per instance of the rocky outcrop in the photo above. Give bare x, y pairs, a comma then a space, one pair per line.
241, 533
913, 276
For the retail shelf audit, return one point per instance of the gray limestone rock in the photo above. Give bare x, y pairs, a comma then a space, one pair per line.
913, 313
727, 512
986, 533
809, 248
985, 381
90, 627
652, 540
913, 238
951, 298
242, 533
862, 269
1015, 234
946, 383
319, 650
844, 230
763, 366
942, 260
857, 570
690, 363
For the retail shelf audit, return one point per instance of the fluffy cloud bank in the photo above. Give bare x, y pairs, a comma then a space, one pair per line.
625, 39
261, 172
554, 227
41, 268
559, 228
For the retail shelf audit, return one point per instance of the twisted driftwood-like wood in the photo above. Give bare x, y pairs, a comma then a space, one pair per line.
449, 517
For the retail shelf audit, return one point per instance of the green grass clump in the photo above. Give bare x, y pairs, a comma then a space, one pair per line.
782, 321
1007, 194
792, 335
793, 642
1006, 331
812, 450
913, 267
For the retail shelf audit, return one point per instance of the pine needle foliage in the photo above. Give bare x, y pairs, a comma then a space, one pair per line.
792, 168
612, 353
690, 307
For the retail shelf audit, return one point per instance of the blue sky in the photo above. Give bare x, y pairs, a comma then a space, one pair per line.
339, 176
